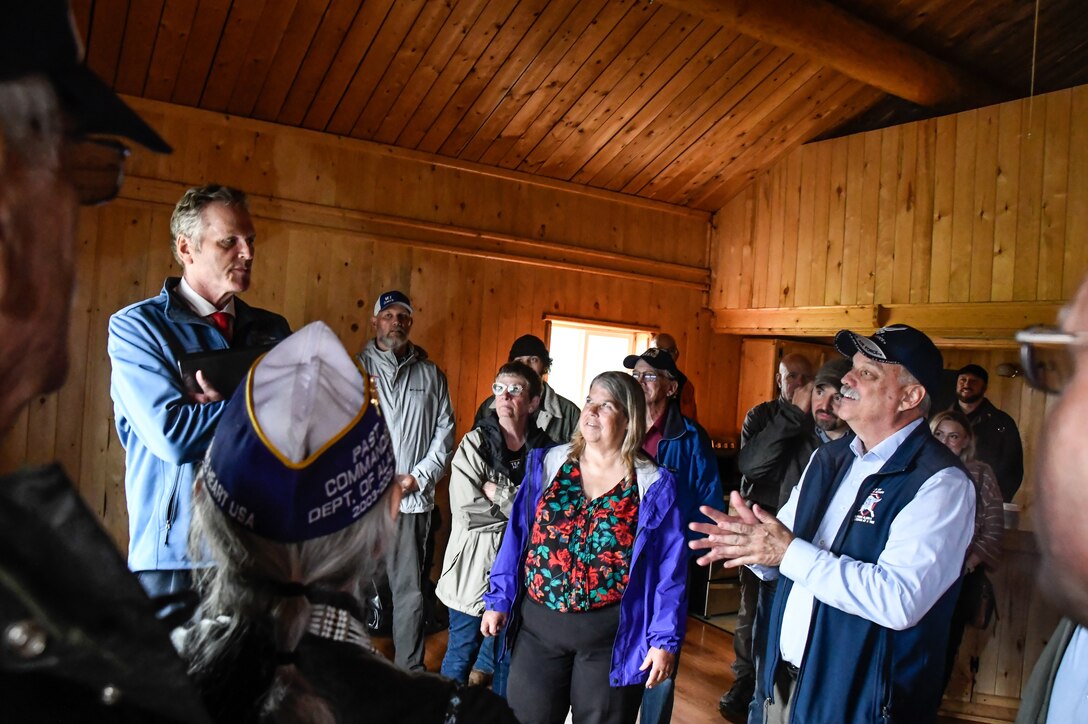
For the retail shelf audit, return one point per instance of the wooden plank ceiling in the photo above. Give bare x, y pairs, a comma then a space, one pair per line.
626, 95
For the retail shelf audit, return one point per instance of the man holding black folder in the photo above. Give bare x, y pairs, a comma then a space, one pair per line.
164, 421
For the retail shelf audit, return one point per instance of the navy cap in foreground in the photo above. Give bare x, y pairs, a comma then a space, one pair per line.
898, 344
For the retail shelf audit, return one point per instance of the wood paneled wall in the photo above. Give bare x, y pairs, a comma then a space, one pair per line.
983, 212
483, 256
967, 226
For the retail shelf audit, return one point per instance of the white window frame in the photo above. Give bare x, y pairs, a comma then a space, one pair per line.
574, 371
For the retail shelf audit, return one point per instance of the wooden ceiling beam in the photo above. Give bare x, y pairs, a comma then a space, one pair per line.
829, 35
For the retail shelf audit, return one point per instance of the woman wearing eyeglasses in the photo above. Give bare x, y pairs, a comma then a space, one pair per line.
591, 572
487, 470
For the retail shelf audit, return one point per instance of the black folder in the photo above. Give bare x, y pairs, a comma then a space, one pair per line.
224, 369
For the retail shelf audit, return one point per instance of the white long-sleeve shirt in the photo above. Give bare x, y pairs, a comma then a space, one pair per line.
923, 557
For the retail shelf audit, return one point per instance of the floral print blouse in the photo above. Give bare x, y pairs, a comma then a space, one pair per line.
580, 550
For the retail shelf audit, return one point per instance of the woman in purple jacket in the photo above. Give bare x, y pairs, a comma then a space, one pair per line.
590, 574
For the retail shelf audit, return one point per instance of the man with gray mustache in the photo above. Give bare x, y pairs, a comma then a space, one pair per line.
868, 551
780, 452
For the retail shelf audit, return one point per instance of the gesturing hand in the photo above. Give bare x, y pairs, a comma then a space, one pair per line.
753, 536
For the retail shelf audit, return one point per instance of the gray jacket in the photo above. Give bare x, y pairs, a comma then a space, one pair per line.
415, 400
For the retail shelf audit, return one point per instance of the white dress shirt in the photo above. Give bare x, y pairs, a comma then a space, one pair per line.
924, 554
1069, 697
202, 307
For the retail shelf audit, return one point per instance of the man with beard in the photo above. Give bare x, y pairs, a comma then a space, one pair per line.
1058, 364
415, 401
164, 424
781, 449
997, 440
868, 551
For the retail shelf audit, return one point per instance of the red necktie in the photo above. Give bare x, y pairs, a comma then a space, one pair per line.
221, 320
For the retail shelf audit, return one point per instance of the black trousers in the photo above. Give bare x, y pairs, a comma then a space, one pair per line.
562, 661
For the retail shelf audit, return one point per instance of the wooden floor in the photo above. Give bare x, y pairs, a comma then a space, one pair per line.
704, 670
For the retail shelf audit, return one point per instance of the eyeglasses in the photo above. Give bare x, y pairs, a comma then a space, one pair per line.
515, 389
1047, 358
647, 376
95, 167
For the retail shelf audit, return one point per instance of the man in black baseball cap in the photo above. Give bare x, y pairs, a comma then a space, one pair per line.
82, 640
868, 550
997, 439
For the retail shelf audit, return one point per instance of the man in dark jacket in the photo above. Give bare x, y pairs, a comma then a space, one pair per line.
997, 439
682, 446
81, 642
868, 550
773, 443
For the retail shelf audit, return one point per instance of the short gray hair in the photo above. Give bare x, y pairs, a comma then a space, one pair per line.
188, 217
907, 378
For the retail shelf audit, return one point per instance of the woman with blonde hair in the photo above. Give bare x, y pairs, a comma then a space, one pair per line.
589, 579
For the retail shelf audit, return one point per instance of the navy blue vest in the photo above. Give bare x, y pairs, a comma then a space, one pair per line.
855, 670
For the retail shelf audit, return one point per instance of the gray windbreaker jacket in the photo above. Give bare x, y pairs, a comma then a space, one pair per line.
415, 400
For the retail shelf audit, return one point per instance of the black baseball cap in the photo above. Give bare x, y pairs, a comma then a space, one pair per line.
898, 344
529, 345
38, 37
659, 359
976, 370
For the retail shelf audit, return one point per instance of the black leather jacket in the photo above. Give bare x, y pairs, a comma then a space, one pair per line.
81, 643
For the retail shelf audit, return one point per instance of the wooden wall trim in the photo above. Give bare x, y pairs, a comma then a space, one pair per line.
794, 321
447, 238
974, 320
146, 107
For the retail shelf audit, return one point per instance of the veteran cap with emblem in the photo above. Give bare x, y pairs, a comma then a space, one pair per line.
898, 344
304, 452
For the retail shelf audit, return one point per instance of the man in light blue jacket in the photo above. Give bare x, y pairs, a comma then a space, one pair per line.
415, 400
165, 425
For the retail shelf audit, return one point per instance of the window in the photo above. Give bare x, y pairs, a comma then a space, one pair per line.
583, 350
